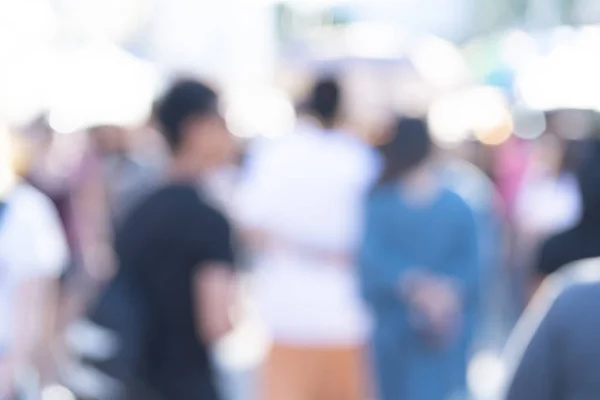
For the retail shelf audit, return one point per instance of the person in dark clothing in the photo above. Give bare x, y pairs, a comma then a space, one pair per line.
583, 240
554, 352
180, 250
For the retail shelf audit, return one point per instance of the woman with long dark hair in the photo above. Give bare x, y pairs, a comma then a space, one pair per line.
419, 263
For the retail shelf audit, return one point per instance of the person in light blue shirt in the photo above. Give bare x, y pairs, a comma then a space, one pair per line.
419, 267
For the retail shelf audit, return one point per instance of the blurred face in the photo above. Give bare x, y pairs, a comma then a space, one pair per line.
209, 141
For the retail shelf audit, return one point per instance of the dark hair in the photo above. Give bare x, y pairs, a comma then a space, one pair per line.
185, 99
324, 100
409, 146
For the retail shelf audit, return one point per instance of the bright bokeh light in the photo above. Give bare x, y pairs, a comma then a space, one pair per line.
25, 84
115, 20
25, 23
486, 375
496, 135
568, 76
481, 111
439, 62
26, 29
57, 392
449, 120
488, 107
259, 111
491, 120
528, 123
518, 50
372, 40
101, 84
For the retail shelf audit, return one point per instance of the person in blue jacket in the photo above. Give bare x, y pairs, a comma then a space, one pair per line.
419, 274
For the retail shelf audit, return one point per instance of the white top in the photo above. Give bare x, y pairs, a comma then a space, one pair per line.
32, 244
547, 205
309, 189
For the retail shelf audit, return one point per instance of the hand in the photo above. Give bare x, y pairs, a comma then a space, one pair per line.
443, 307
413, 282
438, 301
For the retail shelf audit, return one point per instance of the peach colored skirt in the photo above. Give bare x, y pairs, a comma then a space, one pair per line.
314, 373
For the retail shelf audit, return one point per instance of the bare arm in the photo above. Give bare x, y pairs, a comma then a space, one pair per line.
214, 294
92, 219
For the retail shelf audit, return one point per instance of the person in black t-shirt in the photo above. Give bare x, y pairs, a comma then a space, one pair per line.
179, 248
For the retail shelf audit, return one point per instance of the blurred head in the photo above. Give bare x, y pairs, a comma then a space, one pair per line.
408, 149
324, 101
189, 119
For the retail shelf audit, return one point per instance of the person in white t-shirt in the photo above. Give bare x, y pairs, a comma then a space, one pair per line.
300, 204
33, 253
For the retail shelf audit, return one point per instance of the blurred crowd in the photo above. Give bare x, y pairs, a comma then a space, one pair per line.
380, 265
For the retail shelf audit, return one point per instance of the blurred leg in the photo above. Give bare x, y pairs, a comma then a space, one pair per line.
343, 374
290, 373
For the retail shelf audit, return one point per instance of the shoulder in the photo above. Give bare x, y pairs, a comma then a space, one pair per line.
577, 300
455, 210
382, 198
570, 289
568, 296
469, 182
566, 301
179, 206
576, 273
167, 204
176, 195
453, 202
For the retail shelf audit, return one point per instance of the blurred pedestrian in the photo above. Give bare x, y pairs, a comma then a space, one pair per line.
300, 205
583, 240
419, 273
67, 170
179, 248
53, 171
548, 201
33, 254
554, 352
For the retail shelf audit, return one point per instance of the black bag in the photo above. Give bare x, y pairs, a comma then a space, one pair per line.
120, 316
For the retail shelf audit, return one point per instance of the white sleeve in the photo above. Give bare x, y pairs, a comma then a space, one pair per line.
47, 253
